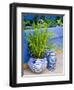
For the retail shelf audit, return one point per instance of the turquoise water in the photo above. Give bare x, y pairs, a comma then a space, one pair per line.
57, 40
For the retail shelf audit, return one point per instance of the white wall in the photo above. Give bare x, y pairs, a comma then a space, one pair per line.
4, 43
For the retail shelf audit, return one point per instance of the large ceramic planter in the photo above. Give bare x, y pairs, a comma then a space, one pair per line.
37, 65
51, 58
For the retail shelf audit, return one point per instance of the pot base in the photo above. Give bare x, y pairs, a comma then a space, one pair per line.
37, 65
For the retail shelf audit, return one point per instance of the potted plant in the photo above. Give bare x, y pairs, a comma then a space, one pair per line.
38, 46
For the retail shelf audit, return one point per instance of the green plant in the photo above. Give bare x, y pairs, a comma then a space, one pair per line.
51, 23
59, 21
38, 41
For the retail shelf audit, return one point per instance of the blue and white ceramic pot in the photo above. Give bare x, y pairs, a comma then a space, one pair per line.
37, 65
51, 58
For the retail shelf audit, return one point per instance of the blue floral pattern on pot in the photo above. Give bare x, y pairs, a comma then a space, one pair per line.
51, 58
37, 65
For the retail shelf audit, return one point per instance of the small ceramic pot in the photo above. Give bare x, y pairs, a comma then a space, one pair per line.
37, 65
51, 58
